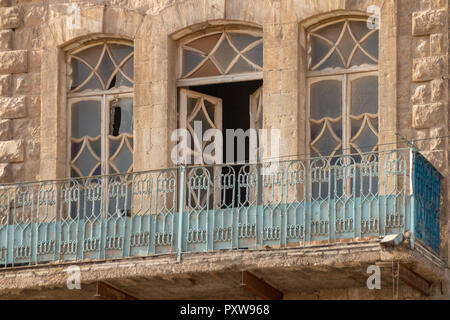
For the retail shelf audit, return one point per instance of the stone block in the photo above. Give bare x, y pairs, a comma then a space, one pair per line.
12, 108
10, 18
5, 40
437, 44
421, 94
427, 116
13, 61
12, 151
429, 68
4, 172
427, 22
5, 85
5, 130
21, 84
437, 90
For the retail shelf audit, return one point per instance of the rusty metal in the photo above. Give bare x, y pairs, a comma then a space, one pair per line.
259, 287
105, 291
414, 280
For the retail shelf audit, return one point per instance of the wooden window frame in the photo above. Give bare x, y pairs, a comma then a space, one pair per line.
105, 97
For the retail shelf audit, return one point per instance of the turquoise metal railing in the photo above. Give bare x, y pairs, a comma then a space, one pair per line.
204, 208
427, 194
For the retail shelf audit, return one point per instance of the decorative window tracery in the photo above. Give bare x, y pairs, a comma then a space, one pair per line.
343, 88
222, 53
101, 109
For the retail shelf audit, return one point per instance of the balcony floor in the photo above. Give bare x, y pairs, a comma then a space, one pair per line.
297, 272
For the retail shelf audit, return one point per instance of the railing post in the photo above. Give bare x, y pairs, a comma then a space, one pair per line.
412, 154
180, 211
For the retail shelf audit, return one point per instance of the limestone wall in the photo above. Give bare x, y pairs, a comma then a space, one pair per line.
34, 34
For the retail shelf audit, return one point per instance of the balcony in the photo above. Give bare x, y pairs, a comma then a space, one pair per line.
287, 204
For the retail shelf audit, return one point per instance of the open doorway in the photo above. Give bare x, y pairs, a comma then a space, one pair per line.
235, 98
236, 105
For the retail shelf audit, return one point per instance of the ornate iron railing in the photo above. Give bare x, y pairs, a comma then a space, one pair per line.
201, 208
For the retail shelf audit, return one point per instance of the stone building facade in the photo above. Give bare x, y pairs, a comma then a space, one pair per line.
38, 39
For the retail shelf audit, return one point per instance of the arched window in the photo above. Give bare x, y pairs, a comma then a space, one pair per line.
100, 101
343, 88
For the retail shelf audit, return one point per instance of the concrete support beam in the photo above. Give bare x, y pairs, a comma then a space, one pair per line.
259, 287
105, 291
413, 280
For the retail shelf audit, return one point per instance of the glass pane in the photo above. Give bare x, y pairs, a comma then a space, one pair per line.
224, 54
106, 68
191, 102
315, 130
329, 104
359, 29
326, 144
346, 45
241, 41
86, 162
333, 61
360, 58
371, 45
210, 109
96, 147
128, 67
92, 84
356, 126
364, 95
91, 55
124, 159
366, 140
331, 32
79, 73
319, 49
113, 146
374, 123
337, 128
75, 149
120, 52
242, 66
191, 60
255, 55
205, 44
208, 69
86, 119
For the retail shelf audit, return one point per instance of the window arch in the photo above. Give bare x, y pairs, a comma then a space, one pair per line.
343, 87
100, 101
227, 52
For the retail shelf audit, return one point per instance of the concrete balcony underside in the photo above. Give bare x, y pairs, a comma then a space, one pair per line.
296, 272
